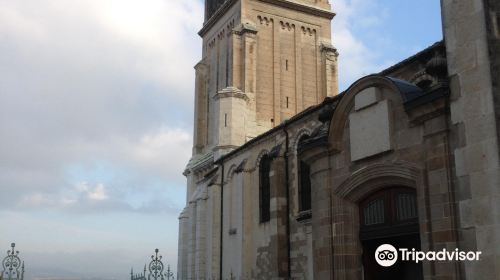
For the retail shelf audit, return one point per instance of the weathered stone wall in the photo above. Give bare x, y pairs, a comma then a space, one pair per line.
270, 66
265, 61
290, 70
258, 68
472, 50
417, 156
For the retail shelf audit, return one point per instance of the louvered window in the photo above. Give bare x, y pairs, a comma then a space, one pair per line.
389, 208
374, 212
406, 206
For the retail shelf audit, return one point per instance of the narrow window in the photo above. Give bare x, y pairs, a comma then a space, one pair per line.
265, 189
305, 186
227, 66
225, 120
287, 101
304, 172
286, 65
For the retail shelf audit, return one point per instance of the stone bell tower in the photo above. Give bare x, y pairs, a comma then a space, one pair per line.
263, 62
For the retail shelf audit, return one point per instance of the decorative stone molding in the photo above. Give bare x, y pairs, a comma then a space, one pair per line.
230, 27
222, 34
209, 23
184, 214
377, 176
211, 43
346, 104
245, 28
330, 51
422, 77
307, 30
257, 160
241, 166
231, 92
296, 139
230, 173
199, 163
263, 20
302, 7
287, 26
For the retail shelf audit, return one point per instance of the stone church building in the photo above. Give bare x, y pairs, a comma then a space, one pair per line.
290, 179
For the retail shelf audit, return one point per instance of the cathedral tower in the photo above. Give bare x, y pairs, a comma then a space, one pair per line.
263, 61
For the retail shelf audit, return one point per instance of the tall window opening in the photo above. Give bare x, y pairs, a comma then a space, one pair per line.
305, 199
265, 189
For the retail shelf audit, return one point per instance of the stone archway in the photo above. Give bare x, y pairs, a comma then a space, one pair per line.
351, 244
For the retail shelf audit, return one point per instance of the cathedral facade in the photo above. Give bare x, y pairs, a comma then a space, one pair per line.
290, 179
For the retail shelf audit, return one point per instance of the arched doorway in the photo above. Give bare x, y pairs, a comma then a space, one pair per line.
389, 216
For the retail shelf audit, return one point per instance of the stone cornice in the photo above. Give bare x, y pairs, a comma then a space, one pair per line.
231, 92
329, 48
216, 16
282, 3
199, 162
245, 28
302, 7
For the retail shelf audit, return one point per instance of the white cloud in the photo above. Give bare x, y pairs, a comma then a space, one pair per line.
163, 149
95, 81
357, 58
97, 193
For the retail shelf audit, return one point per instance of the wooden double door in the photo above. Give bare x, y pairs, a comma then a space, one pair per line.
390, 217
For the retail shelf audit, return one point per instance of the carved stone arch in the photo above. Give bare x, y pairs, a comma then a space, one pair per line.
296, 139
230, 172
346, 103
259, 157
376, 177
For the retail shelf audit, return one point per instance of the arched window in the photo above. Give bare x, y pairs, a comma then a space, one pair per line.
304, 181
265, 189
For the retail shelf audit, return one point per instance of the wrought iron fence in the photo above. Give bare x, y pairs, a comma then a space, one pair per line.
155, 270
13, 268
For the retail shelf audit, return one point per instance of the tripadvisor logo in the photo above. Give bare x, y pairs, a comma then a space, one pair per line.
386, 255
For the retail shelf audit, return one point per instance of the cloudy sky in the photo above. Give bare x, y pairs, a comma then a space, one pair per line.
96, 119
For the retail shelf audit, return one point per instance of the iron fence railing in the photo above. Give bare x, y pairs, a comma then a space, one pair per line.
13, 267
154, 271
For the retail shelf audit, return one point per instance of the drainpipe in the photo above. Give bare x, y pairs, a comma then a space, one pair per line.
287, 185
221, 164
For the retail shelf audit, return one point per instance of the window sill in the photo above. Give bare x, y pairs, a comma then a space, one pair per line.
304, 216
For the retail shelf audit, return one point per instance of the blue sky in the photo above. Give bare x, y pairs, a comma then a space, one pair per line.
96, 106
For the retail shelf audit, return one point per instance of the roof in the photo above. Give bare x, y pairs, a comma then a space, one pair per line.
282, 125
408, 91
412, 58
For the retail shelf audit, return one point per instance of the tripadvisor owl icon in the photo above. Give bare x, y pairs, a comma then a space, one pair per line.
386, 255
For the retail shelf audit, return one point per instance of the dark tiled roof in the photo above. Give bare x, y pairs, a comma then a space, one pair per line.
407, 90
420, 54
